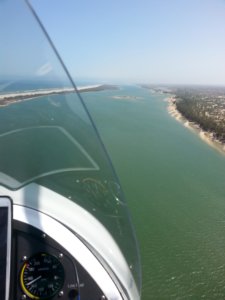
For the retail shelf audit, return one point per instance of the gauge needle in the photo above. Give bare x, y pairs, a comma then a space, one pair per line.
34, 280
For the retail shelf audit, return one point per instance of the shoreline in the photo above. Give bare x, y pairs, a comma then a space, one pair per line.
9, 98
206, 136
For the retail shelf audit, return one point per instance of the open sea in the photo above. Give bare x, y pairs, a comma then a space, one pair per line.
174, 184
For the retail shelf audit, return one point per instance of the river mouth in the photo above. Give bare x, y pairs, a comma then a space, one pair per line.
174, 184
172, 180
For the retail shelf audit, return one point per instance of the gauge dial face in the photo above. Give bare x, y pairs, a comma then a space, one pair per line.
42, 276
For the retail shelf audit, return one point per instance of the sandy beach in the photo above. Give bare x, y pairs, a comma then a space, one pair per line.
9, 98
207, 137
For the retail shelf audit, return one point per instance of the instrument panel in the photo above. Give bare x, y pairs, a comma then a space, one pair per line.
42, 276
43, 269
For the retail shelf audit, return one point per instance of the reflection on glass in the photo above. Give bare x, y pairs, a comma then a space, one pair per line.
46, 136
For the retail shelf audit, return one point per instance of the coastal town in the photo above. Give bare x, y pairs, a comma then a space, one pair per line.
203, 107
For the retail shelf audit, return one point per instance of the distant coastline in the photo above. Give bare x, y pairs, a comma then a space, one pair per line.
9, 98
209, 96
206, 136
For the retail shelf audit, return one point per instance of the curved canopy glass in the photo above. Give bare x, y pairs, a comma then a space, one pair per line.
46, 134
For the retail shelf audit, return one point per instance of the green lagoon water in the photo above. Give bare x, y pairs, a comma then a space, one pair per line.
175, 187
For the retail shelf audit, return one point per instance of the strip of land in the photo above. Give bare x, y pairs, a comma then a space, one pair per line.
206, 136
201, 109
9, 98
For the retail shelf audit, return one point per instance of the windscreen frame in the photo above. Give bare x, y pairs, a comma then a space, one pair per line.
6, 209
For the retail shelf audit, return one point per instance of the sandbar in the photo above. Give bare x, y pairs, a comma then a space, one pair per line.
127, 97
9, 98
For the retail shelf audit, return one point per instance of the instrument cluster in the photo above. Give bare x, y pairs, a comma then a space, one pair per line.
43, 269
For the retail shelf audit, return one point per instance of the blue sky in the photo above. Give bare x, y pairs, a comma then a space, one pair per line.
152, 41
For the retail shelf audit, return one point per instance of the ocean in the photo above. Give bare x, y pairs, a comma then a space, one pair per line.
174, 184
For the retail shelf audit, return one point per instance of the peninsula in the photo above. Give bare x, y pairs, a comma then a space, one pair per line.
9, 98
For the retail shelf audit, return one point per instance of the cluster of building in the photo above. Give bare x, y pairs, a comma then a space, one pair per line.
205, 106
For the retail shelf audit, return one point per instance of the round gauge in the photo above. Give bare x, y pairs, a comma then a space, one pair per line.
42, 276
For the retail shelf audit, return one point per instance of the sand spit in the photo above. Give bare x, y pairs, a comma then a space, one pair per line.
207, 137
9, 98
